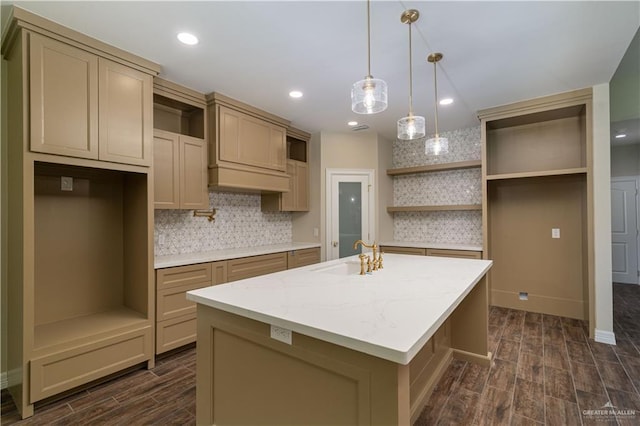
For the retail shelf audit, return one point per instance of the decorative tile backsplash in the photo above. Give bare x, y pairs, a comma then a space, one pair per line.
464, 145
439, 188
239, 222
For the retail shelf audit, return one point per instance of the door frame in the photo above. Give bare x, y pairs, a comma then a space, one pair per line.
637, 180
330, 173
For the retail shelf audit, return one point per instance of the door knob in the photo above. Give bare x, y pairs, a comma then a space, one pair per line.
335, 244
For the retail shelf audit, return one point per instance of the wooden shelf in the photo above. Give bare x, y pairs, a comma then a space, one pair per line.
435, 168
86, 326
559, 172
434, 208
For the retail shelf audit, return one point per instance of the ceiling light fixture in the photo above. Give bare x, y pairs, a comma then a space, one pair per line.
446, 101
412, 126
621, 135
369, 96
187, 38
295, 94
436, 145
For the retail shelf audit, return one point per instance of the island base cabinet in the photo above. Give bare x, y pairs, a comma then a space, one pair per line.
246, 377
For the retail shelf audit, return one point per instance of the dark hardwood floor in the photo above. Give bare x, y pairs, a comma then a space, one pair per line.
545, 371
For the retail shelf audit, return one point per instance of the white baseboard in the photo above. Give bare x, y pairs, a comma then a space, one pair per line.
3, 380
603, 336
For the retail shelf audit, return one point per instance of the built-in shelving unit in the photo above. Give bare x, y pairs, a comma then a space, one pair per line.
537, 204
460, 165
434, 208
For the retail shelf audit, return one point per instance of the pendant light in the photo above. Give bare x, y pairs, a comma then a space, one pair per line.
436, 145
412, 126
369, 96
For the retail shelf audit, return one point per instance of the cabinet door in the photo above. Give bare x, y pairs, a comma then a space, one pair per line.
193, 173
166, 175
126, 114
302, 186
288, 199
63, 99
250, 141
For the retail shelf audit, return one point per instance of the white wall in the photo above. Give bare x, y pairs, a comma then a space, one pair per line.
625, 160
603, 294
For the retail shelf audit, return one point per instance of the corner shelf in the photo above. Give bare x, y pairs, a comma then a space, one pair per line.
541, 173
435, 168
434, 208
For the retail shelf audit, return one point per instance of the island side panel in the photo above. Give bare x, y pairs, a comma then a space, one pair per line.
246, 377
470, 326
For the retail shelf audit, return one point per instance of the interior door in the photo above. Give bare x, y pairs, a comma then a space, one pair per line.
348, 214
624, 230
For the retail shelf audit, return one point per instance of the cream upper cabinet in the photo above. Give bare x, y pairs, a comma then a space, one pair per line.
86, 106
251, 141
247, 147
180, 171
126, 114
63, 99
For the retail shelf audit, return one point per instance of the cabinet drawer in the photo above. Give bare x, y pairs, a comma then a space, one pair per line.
176, 332
172, 302
52, 374
247, 267
464, 254
184, 275
403, 250
297, 258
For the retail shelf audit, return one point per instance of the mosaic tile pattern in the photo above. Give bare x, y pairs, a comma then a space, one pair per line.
438, 188
239, 223
454, 227
464, 145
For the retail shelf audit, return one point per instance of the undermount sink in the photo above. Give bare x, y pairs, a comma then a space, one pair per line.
344, 268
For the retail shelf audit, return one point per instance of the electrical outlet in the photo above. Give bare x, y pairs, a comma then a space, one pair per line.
555, 233
281, 334
161, 239
66, 183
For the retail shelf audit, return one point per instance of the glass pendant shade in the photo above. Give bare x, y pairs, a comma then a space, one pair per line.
436, 146
411, 127
369, 96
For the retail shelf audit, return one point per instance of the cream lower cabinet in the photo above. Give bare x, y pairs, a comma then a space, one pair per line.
86, 106
464, 254
175, 315
180, 171
303, 257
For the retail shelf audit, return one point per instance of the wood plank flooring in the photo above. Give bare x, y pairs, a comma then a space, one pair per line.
545, 372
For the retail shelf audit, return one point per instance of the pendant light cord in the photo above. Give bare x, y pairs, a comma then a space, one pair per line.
435, 91
410, 75
368, 39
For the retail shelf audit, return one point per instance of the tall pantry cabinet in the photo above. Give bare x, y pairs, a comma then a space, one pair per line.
538, 204
79, 212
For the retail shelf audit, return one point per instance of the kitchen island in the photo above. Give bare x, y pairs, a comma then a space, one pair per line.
324, 345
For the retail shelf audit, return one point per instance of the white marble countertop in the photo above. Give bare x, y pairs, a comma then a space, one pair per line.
172, 260
425, 244
389, 314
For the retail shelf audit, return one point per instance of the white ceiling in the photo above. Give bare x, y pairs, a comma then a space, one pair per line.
257, 51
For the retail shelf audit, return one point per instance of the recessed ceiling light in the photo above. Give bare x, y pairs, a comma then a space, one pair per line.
188, 38
621, 135
295, 94
446, 101
352, 123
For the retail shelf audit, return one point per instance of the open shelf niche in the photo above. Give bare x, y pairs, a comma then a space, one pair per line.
537, 182
91, 254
